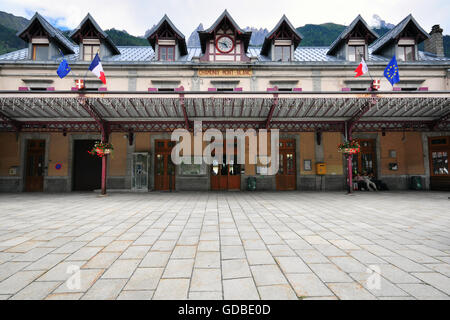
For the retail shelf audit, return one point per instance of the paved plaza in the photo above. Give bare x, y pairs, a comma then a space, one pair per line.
231, 245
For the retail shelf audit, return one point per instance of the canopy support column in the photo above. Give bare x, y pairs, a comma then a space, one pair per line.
183, 107
104, 129
349, 160
271, 111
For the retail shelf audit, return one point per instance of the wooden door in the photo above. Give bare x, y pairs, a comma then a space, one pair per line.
439, 152
287, 176
164, 166
35, 168
226, 176
366, 160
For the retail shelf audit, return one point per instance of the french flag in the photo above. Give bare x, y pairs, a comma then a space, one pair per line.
362, 69
97, 69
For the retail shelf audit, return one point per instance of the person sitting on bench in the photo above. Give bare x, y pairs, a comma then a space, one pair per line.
368, 182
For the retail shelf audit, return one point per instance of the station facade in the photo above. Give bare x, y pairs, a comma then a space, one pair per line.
309, 94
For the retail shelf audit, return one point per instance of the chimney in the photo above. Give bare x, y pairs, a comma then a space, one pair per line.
435, 44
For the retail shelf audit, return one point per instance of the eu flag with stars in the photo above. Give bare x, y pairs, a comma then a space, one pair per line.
391, 71
63, 69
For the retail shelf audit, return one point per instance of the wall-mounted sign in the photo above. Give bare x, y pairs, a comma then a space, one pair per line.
58, 166
225, 72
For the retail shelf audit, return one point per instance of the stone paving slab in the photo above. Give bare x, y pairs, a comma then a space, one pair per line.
258, 245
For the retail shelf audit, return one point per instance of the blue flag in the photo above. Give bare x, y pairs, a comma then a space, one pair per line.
63, 69
391, 71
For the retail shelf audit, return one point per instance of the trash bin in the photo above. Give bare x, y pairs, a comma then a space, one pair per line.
251, 183
416, 183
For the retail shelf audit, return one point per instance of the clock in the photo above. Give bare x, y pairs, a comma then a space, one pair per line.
225, 44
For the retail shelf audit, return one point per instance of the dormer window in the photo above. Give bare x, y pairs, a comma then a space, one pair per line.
352, 43
92, 40
406, 50
90, 49
45, 41
280, 43
282, 51
166, 53
167, 41
40, 51
356, 52
402, 40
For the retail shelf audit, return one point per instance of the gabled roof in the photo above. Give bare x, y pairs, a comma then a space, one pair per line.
53, 33
103, 34
395, 32
181, 39
270, 35
206, 34
344, 34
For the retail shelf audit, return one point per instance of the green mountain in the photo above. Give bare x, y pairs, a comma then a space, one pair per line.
9, 41
9, 25
12, 22
319, 34
122, 38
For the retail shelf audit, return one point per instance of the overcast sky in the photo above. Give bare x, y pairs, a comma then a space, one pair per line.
136, 16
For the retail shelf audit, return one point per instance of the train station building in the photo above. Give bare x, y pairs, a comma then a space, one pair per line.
309, 94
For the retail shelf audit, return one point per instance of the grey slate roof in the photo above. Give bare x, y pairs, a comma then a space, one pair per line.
54, 33
145, 54
349, 29
99, 30
394, 32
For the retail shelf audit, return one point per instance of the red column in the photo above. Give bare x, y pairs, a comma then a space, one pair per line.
104, 163
350, 173
349, 163
104, 175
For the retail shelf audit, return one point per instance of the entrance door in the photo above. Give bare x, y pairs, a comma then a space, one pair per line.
286, 176
164, 167
365, 161
439, 149
34, 179
87, 169
226, 176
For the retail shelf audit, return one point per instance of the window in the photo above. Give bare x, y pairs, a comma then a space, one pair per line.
89, 51
355, 53
166, 89
40, 51
282, 53
406, 53
166, 53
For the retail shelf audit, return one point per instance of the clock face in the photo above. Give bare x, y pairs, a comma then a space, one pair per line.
225, 44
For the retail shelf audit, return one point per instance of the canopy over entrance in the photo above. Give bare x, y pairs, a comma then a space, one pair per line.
162, 111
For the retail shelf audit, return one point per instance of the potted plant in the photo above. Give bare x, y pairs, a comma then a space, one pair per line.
101, 149
349, 147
